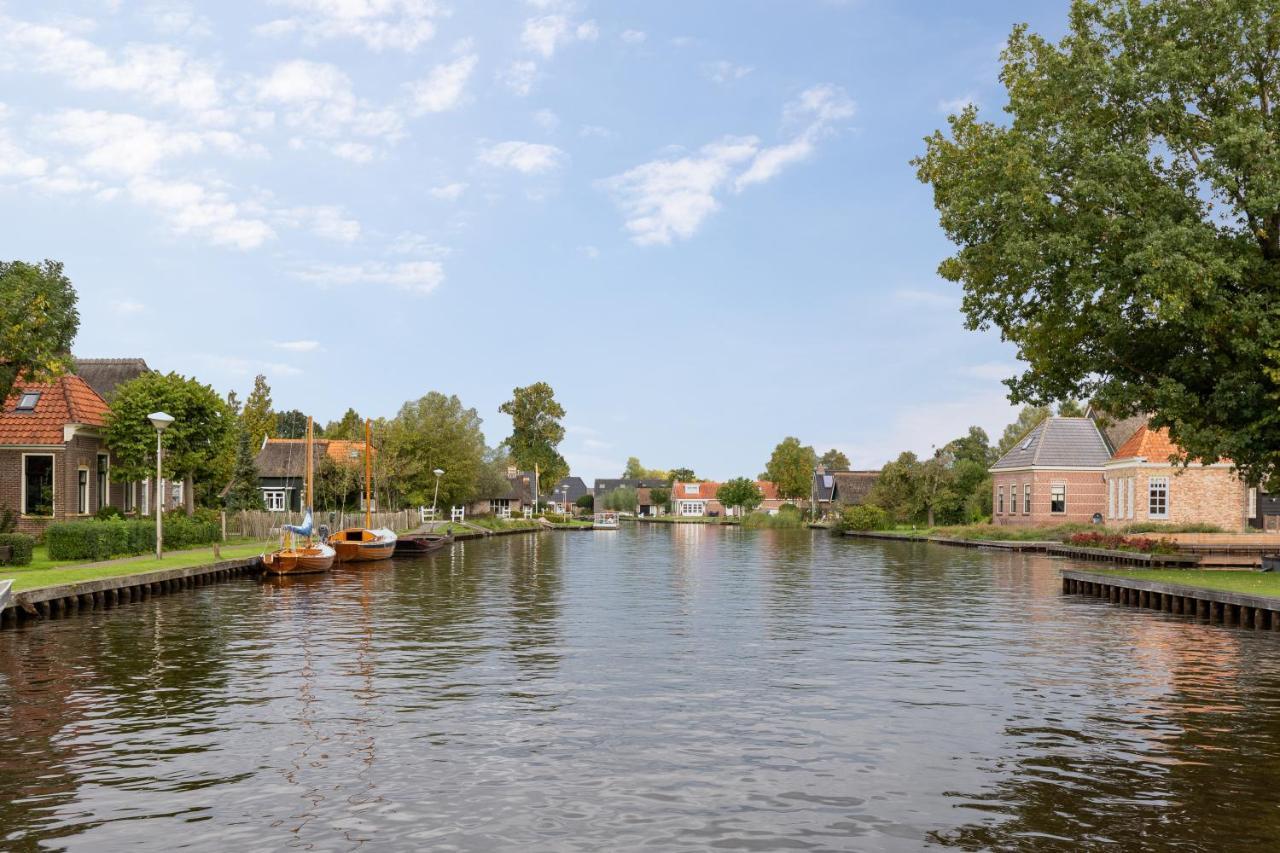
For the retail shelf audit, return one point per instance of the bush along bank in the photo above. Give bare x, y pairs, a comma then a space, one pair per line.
20, 547
102, 540
1119, 542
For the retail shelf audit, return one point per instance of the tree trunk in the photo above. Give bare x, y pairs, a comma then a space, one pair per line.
931, 516
189, 496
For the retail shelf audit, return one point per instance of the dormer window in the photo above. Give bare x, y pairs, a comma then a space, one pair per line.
27, 403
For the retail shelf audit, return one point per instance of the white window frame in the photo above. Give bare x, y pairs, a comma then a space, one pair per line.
501, 507
691, 488
999, 500
146, 496
1111, 497
1161, 484
53, 503
1026, 499
130, 497
82, 490
102, 480
272, 497
687, 509
1253, 502
1053, 492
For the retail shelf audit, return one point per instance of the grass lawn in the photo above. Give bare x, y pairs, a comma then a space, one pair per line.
46, 572
1246, 583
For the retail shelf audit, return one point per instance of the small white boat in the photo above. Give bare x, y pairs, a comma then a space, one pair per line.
605, 521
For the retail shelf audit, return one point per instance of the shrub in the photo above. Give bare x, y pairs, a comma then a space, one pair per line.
789, 508
1157, 527
21, 546
102, 540
783, 520
1119, 542
865, 517
107, 513
8, 520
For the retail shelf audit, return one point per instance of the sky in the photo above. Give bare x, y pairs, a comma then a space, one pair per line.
696, 220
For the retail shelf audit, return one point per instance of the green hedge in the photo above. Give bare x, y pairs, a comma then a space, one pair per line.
864, 517
22, 545
102, 540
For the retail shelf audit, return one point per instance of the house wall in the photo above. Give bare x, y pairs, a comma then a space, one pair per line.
1086, 495
1198, 494
82, 450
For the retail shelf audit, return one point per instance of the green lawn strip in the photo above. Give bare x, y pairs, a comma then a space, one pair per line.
34, 576
1245, 583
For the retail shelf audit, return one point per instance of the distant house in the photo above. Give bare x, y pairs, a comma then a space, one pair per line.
833, 490
1143, 485
54, 463
691, 500
282, 465
511, 499
643, 486
104, 375
567, 492
1053, 475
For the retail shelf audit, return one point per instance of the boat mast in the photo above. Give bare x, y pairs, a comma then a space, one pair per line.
368, 498
310, 462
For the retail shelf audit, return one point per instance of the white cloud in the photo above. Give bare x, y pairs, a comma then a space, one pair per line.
193, 209
176, 18
664, 200
159, 74
546, 34
356, 152
955, 105
409, 243
413, 276
529, 158
595, 130
237, 366
317, 98
297, 346
921, 427
725, 71
328, 221
633, 36
16, 162
127, 307
520, 76
118, 144
380, 24
442, 89
448, 192
546, 119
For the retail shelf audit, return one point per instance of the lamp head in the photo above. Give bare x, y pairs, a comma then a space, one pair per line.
439, 472
160, 420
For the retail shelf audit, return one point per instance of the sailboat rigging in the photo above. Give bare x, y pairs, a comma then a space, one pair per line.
294, 557
361, 544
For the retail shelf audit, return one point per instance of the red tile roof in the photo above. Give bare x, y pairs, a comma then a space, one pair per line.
1153, 445
707, 490
66, 400
339, 450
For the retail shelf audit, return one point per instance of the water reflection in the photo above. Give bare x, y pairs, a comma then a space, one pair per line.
668, 688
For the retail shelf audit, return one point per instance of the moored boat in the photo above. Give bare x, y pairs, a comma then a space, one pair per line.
605, 521
363, 544
422, 543
296, 557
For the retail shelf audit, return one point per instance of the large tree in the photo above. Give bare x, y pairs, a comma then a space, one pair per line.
292, 424
194, 445
1122, 228
682, 475
536, 433
349, 427
740, 492
834, 460
244, 492
38, 322
791, 467
435, 432
636, 471
257, 418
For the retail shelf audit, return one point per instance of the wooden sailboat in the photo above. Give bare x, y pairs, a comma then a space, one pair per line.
296, 557
360, 544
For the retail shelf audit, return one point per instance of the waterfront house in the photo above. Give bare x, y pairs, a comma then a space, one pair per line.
567, 492
510, 499
105, 375
1147, 482
832, 491
692, 500
643, 487
1053, 475
54, 464
282, 465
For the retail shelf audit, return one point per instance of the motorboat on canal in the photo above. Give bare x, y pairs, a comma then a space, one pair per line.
294, 556
605, 521
416, 544
364, 544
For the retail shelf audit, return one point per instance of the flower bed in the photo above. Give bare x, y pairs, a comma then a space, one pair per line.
1120, 542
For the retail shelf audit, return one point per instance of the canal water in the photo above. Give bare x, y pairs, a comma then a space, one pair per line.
664, 688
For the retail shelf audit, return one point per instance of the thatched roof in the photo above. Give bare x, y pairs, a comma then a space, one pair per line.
105, 374
852, 487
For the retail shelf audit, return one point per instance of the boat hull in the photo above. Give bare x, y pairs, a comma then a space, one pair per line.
299, 561
358, 545
422, 544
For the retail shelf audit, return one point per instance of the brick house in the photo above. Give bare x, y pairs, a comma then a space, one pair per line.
1053, 475
691, 500
54, 465
282, 463
643, 488
1143, 485
508, 501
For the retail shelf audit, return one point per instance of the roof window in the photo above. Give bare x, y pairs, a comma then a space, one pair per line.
28, 401
1026, 445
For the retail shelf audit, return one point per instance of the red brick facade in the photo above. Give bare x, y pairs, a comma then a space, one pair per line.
1197, 494
1084, 493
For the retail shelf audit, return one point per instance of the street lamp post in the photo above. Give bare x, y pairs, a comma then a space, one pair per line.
438, 473
161, 422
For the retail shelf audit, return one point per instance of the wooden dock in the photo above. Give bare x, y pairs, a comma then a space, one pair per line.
1129, 558
1207, 605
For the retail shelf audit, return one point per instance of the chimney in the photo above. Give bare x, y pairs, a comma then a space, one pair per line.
512, 471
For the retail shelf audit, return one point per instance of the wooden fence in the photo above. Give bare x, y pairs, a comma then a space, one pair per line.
266, 525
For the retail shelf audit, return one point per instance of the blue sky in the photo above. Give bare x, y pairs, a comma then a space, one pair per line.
696, 220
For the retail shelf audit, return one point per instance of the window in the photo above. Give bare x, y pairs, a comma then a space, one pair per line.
693, 508
82, 491
1128, 497
1000, 500
500, 507
130, 497
274, 499
1058, 498
690, 488
104, 480
1026, 499
27, 403
1253, 503
1111, 498
1158, 497
37, 484
146, 497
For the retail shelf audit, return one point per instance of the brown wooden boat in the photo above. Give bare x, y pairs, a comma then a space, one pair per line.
361, 544
300, 557
422, 543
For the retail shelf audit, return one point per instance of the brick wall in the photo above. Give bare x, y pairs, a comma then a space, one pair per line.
1086, 495
1198, 494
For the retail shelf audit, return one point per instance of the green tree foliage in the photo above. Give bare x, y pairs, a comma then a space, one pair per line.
621, 499
834, 460
244, 492
536, 433
660, 497
682, 475
38, 322
1016, 431
350, 427
338, 484
636, 471
865, 517
193, 445
791, 467
1071, 409
291, 424
587, 502
740, 492
257, 418
433, 432
1122, 228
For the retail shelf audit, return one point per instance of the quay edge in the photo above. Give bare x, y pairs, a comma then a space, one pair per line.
1208, 605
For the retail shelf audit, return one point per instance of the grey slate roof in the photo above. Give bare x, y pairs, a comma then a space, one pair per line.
286, 459
603, 487
577, 488
1058, 443
104, 374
